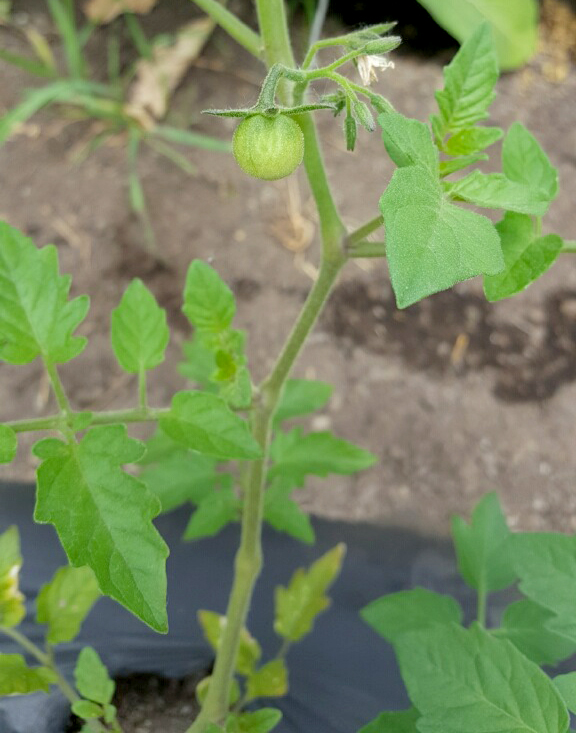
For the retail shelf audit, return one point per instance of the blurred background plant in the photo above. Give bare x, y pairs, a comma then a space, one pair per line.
131, 100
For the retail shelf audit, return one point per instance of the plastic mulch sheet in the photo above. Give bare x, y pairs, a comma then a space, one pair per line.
341, 676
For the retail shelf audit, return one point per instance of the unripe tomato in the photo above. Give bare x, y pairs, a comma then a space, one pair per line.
268, 147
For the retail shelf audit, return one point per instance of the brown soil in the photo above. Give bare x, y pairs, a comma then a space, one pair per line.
456, 397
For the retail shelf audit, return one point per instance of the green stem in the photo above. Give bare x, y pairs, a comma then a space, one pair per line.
142, 390
366, 249
239, 31
58, 388
110, 417
363, 231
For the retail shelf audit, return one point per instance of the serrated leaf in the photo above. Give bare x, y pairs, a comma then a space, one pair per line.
514, 24
180, 478
296, 455
496, 191
297, 606
466, 681
91, 676
482, 547
525, 624
410, 610
139, 330
249, 652
469, 82
12, 608
566, 686
103, 517
260, 721
472, 140
526, 256
396, 721
17, 678
36, 317
213, 513
302, 397
284, 514
546, 566
206, 424
431, 244
64, 602
8, 444
86, 710
525, 162
208, 302
271, 680
408, 141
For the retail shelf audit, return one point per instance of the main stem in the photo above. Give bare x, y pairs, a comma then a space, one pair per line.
248, 561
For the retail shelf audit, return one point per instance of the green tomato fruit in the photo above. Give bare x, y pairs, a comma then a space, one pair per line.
268, 147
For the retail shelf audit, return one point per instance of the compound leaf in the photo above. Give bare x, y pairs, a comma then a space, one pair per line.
296, 455
526, 256
284, 514
410, 610
65, 601
36, 317
208, 302
214, 512
469, 81
103, 517
17, 678
271, 680
206, 424
139, 330
408, 141
525, 162
297, 606
396, 721
12, 608
302, 397
92, 679
496, 191
431, 244
8, 444
472, 140
249, 652
525, 624
483, 547
467, 681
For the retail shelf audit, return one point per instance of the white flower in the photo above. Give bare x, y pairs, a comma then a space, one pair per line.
367, 66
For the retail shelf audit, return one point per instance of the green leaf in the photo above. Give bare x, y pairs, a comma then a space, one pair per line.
410, 610
525, 162
103, 517
431, 244
469, 82
260, 721
466, 681
296, 455
64, 602
397, 721
12, 608
200, 362
302, 397
472, 140
408, 141
36, 317
447, 167
86, 710
92, 679
546, 565
483, 547
201, 692
284, 514
514, 24
297, 606
525, 624
249, 652
180, 478
496, 191
526, 256
213, 513
206, 424
17, 678
139, 330
208, 302
8, 443
566, 686
271, 680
